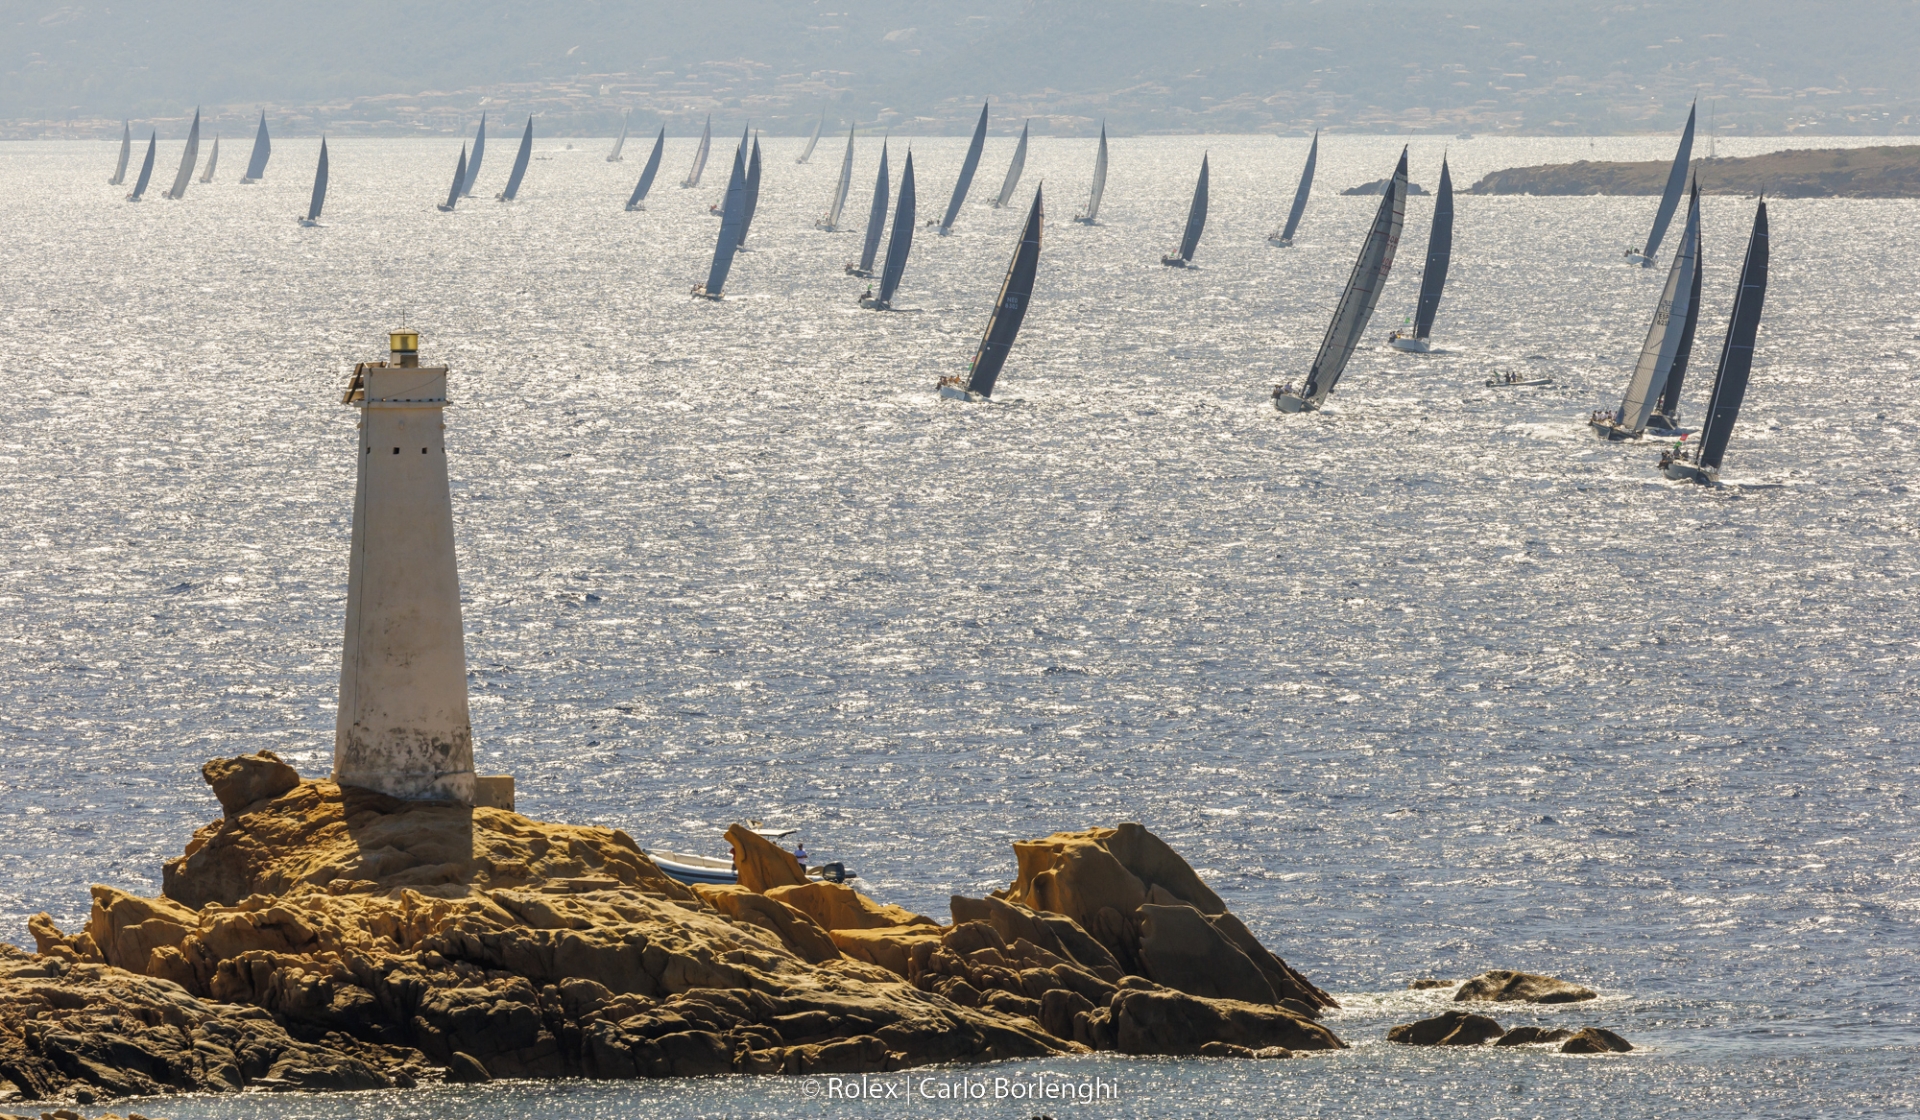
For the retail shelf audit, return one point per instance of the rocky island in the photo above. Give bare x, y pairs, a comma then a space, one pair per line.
1885, 172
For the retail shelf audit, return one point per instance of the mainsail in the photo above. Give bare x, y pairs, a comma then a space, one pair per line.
1670, 198
1664, 333
753, 191
840, 189
1301, 192
1099, 179
614, 156
213, 160
319, 185
1668, 410
126, 149
1013, 171
814, 139
1011, 309
520, 159
700, 156
1736, 354
146, 169
902, 239
460, 178
262, 148
645, 184
966, 174
473, 164
876, 216
1362, 292
187, 159
1439, 255
1196, 217
731, 217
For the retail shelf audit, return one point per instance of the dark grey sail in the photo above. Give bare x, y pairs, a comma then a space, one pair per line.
1666, 414
126, 150
188, 158
1736, 353
146, 169
1439, 255
1099, 180
1011, 309
1196, 222
1357, 300
753, 191
1663, 337
262, 148
967, 169
319, 186
1670, 198
520, 159
1301, 192
814, 139
647, 173
1014, 169
213, 161
901, 241
699, 167
473, 162
732, 214
876, 219
460, 180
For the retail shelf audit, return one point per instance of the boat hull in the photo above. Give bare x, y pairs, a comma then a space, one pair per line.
1410, 345
1292, 402
1528, 383
1634, 256
875, 304
1085, 221
1176, 262
862, 273
956, 393
244, 179
694, 869
444, 208
700, 292
307, 223
1610, 432
1688, 472
635, 208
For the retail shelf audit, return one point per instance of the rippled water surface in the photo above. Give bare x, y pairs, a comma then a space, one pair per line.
1425, 684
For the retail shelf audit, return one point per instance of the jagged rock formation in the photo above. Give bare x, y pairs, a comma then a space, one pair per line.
1505, 986
322, 937
1463, 1028
1885, 172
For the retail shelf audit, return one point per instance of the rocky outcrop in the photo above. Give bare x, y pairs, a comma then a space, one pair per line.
1878, 172
1453, 1028
1502, 986
1534, 1036
1595, 1040
320, 937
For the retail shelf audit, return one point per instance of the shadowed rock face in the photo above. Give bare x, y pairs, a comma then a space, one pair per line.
1453, 1028
1502, 986
322, 937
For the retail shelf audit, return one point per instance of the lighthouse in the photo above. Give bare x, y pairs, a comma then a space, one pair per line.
402, 727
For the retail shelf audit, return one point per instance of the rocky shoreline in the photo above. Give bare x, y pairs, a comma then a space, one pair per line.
1884, 172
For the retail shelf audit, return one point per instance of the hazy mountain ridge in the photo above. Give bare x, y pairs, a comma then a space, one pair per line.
1143, 65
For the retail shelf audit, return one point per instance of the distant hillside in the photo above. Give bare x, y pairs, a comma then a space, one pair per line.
1806, 173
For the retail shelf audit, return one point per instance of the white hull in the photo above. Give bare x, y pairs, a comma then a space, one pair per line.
1410, 345
1528, 383
955, 393
1279, 242
1086, 221
1610, 432
872, 304
307, 223
1291, 402
1634, 256
1687, 472
701, 292
691, 869
825, 226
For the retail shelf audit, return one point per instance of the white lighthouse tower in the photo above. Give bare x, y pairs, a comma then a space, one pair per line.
403, 727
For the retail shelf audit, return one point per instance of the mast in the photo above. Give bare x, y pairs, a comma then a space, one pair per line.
877, 215
473, 164
814, 139
967, 169
1439, 255
753, 191
841, 187
1305, 188
645, 184
700, 156
519, 164
731, 215
1736, 354
146, 168
902, 239
126, 150
1013, 171
614, 156
1362, 293
1670, 198
319, 185
1196, 216
1664, 333
213, 160
187, 159
262, 148
1099, 179
1010, 310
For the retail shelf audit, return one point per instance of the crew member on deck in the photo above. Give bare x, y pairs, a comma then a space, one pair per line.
800, 852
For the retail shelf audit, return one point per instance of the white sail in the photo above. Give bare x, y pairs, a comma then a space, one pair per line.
840, 189
187, 159
473, 160
213, 160
700, 157
1099, 179
1013, 171
614, 156
126, 150
814, 139
1663, 334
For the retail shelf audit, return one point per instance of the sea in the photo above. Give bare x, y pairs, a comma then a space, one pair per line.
1425, 684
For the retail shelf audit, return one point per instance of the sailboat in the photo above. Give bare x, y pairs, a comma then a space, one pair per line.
126, 150
831, 222
700, 156
1434, 279
897, 245
262, 148
730, 222
319, 189
1284, 238
1196, 223
473, 163
1016, 292
647, 173
1664, 335
520, 159
187, 159
460, 178
967, 168
1669, 198
718, 208
1357, 301
1736, 365
146, 169
876, 221
614, 156
1665, 420
814, 139
753, 192
1099, 180
213, 160
1013, 171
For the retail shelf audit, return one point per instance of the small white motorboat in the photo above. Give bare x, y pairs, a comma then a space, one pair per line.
1509, 381
688, 868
